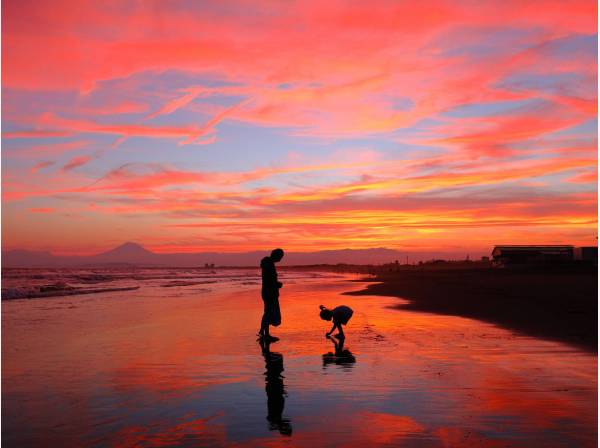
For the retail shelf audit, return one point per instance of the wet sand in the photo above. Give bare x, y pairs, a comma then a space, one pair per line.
181, 367
557, 304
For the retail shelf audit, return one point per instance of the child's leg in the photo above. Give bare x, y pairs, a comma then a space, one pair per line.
340, 331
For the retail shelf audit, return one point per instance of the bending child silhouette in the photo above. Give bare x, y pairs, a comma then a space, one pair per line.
270, 294
340, 316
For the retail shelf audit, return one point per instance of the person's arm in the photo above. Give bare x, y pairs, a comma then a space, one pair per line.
331, 331
277, 282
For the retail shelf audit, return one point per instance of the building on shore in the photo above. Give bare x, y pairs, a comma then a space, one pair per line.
511, 255
587, 254
526, 255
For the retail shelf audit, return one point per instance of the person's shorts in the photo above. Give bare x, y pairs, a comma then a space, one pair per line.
271, 309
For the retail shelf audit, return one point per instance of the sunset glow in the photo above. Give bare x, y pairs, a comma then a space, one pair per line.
440, 380
236, 126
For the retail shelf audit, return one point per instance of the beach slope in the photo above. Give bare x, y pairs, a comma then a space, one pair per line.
553, 303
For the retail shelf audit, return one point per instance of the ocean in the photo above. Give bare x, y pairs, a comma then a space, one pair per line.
170, 358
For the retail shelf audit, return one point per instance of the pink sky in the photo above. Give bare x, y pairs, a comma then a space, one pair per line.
236, 126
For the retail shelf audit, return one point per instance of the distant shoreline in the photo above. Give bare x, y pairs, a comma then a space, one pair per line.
559, 304
337, 268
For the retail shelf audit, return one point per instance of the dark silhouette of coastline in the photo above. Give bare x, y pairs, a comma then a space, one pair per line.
558, 304
134, 254
340, 356
275, 389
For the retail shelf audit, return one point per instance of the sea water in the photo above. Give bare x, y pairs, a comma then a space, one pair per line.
174, 361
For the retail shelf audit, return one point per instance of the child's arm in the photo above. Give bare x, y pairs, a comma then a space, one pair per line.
331, 331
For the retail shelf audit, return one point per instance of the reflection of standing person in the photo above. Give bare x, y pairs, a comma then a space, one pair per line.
270, 294
275, 390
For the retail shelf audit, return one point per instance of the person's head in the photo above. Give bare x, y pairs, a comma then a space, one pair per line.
325, 314
277, 255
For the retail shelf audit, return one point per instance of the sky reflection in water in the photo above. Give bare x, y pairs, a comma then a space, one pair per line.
180, 367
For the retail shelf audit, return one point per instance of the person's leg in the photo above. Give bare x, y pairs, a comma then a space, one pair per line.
340, 334
270, 317
264, 324
269, 313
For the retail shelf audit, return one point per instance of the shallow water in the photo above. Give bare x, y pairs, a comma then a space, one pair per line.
180, 366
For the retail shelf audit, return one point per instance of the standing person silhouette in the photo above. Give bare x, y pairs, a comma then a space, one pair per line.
270, 294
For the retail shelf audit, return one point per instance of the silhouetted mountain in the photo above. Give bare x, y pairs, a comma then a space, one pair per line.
129, 253
127, 249
19, 257
350, 256
135, 254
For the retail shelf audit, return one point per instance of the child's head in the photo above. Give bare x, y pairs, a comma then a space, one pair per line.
325, 314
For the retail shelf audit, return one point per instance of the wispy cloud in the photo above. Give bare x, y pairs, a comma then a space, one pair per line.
477, 120
76, 162
44, 164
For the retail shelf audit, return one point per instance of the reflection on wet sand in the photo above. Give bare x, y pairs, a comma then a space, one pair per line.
148, 368
275, 389
341, 356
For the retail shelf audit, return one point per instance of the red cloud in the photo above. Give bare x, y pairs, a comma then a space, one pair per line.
309, 69
584, 178
41, 165
76, 162
41, 210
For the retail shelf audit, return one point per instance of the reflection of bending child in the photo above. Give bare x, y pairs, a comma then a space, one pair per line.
340, 316
342, 356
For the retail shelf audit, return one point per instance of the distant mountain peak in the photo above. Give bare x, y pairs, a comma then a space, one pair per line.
128, 248
130, 245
